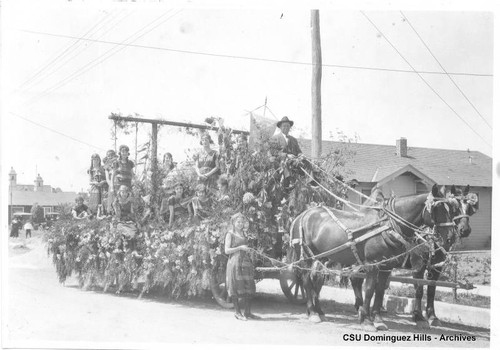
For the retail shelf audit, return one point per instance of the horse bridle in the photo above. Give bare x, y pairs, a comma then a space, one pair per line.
451, 223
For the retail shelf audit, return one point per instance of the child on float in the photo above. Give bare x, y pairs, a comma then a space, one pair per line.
175, 206
240, 270
123, 168
80, 210
202, 203
123, 207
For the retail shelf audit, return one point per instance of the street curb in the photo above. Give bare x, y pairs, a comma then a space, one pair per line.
453, 313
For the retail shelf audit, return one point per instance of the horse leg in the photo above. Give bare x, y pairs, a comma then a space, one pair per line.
318, 283
311, 296
380, 287
433, 275
418, 318
364, 311
357, 287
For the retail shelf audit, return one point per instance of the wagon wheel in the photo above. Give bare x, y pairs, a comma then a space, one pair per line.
290, 285
218, 285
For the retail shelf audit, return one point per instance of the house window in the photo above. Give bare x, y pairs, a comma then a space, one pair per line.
17, 210
46, 210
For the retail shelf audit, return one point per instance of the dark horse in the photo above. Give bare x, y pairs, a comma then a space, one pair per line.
434, 263
422, 260
364, 239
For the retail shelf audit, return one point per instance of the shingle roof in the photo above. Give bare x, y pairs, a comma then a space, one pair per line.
42, 198
371, 162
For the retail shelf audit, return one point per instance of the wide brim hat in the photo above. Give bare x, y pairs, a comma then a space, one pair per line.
284, 120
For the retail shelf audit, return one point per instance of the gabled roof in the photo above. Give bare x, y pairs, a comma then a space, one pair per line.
371, 163
42, 198
386, 174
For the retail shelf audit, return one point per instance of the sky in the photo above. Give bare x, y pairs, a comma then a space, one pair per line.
192, 63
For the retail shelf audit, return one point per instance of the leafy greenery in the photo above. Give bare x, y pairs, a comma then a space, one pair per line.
270, 190
37, 214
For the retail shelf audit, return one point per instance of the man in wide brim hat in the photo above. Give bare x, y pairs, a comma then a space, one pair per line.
284, 120
283, 142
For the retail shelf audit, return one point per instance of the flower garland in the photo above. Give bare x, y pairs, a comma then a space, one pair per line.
179, 261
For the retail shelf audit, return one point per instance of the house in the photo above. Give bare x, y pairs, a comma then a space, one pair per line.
23, 197
403, 170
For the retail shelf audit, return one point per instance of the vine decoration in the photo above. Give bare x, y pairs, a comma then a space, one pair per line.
178, 261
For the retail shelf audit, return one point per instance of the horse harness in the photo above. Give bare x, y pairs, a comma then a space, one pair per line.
389, 230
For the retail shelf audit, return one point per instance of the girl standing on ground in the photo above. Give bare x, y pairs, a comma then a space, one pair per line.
240, 271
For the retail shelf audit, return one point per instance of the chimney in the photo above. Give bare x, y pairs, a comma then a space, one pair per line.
401, 147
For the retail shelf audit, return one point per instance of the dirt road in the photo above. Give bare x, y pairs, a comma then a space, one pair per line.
41, 312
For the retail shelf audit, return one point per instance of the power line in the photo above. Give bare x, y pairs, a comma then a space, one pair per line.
86, 48
420, 76
258, 58
61, 54
444, 70
55, 131
93, 63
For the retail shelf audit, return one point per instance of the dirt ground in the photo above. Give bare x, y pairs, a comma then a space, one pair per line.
40, 312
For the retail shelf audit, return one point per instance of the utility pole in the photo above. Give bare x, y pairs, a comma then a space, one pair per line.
316, 85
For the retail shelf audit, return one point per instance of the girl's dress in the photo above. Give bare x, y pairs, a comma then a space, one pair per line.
207, 162
98, 189
124, 173
240, 271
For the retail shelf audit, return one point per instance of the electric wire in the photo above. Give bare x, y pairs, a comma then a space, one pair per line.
444, 70
63, 53
259, 58
57, 132
117, 48
425, 81
68, 59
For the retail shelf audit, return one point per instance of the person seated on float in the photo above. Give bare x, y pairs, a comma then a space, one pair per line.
240, 280
239, 154
207, 163
168, 163
223, 194
175, 206
80, 210
123, 207
202, 203
284, 144
123, 169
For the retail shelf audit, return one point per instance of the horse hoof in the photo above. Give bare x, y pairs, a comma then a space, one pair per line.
315, 319
435, 322
323, 318
369, 327
380, 326
423, 324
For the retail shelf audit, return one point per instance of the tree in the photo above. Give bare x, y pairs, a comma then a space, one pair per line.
37, 214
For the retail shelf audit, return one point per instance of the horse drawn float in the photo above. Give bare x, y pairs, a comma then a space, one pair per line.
365, 243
